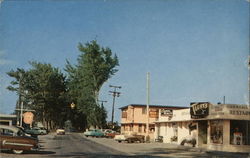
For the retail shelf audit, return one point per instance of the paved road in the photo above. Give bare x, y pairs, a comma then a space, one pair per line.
75, 145
67, 146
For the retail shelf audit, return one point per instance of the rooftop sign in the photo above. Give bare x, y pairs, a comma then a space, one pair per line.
199, 109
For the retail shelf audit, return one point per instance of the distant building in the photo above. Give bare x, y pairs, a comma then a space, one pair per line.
134, 118
6, 119
222, 127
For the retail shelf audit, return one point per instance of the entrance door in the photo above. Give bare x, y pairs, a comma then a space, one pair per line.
202, 132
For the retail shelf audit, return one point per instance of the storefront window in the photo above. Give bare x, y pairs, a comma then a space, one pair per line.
216, 131
239, 132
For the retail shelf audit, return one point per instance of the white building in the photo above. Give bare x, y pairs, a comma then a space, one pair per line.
222, 127
6, 119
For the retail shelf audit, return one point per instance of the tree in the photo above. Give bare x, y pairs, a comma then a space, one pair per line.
43, 88
95, 65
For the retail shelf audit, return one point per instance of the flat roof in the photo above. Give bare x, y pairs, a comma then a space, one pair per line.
8, 116
157, 106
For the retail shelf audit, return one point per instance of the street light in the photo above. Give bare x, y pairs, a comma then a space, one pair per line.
72, 105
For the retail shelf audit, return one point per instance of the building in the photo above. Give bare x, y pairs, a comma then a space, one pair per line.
134, 118
221, 127
6, 119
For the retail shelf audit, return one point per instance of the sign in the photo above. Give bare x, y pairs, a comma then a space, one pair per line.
153, 113
199, 110
167, 112
28, 117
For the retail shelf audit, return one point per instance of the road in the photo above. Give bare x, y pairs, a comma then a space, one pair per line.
66, 146
75, 145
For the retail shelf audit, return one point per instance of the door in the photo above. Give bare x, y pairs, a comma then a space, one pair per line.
202, 132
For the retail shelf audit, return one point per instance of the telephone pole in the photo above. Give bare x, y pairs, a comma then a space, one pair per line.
114, 93
102, 101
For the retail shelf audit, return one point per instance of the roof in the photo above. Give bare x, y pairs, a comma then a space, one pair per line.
12, 128
157, 106
8, 116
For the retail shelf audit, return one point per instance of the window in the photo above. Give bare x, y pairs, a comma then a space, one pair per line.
216, 131
131, 128
7, 132
239, 132
144, 110
124, 114
140, 128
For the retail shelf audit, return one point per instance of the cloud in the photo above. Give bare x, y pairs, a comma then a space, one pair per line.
248, 1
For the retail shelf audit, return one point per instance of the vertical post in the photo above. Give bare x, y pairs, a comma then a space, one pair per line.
248, 136
148, 99
224, 99
113, 107
115, 94
21, 117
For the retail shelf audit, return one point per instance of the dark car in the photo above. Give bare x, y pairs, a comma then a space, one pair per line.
12, 138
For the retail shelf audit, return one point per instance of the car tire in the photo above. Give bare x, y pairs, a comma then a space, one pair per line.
119, 141
17, 151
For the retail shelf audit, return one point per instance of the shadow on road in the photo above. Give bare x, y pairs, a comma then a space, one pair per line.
103, 155
30, 152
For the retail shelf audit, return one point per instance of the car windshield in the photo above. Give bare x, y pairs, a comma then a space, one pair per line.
20, 133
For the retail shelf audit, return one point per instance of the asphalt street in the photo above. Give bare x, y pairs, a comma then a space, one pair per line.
75, 145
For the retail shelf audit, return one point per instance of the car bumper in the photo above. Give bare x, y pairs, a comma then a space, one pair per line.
36, 148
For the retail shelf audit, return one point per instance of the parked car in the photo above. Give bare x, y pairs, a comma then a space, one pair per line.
94, 133
129, 138
22, 129
60, 131
36, 131
13, 138
110, 133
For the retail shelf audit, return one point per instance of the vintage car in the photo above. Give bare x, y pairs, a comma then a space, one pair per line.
130, 138
36, 131
110, 133
60, 131
13, 138
94, 133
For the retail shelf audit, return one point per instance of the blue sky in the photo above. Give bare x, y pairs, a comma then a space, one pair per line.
195, 50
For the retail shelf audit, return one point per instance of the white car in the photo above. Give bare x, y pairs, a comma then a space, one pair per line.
60, 131
120, 138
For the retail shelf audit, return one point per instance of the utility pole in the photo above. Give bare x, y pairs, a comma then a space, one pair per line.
102, 101
148, 99
114, 94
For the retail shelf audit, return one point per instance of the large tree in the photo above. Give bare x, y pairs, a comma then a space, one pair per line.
42, 89
95, 65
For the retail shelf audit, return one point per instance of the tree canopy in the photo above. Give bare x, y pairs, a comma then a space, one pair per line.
95, 65
49, 92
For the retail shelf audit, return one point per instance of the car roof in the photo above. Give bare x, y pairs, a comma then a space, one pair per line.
12, 128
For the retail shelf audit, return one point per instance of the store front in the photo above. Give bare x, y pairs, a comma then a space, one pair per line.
222, 127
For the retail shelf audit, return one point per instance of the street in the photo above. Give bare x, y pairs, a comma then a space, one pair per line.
76, 145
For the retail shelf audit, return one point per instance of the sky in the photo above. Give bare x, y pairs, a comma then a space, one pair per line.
194, 50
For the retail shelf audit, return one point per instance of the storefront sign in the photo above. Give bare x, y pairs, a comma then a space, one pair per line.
199, 110
166, 112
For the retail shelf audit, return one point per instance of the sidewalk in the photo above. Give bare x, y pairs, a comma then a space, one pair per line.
163, 149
